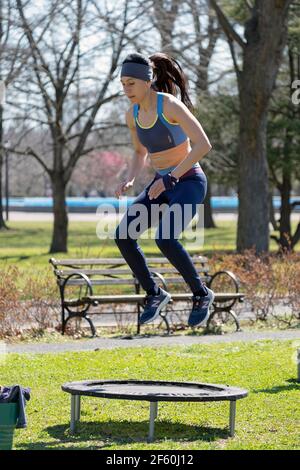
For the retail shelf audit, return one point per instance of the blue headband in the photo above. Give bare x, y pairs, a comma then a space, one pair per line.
133, 69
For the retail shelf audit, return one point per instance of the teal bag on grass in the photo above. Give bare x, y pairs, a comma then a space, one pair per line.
12, 413
9, 413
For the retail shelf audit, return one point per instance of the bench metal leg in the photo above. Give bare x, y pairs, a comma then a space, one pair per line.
137, 291
63, 321
92, 326
164, 317
153, 416
237, 323
232, 417
138, 328
75, 412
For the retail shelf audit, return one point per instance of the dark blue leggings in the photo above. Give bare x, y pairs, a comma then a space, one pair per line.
190, 190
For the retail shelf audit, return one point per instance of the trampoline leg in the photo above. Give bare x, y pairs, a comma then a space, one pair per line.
73, 419
75, 412
232, 417
77, 407
153, 415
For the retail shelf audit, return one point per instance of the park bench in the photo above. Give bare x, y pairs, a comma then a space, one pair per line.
81, 284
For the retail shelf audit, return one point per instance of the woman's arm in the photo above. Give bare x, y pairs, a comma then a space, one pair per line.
177, 111
137, 164
140, 152
138, 161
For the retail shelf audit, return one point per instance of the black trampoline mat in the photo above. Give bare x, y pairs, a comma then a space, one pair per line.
154, 390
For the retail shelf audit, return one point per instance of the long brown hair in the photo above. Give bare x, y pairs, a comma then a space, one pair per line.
169, 76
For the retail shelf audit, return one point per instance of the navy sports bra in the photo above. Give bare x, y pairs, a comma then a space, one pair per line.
161, 135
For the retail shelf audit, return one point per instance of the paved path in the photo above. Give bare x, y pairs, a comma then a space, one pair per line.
150, 341
92, 217
16, 216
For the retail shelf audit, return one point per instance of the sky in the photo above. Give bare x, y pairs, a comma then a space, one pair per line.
100, 65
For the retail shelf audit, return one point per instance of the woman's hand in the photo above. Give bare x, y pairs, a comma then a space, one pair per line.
156, 189
123, 187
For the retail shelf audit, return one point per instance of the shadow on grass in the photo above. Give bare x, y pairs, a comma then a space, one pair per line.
295, 385
111, 433
24, 257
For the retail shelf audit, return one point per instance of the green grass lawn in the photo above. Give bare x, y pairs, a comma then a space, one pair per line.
26, 246
269, 418
27, 243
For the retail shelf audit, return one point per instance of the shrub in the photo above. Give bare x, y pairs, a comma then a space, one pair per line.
271, 283
29, 307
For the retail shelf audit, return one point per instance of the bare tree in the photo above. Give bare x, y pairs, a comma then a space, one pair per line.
284, 137
12, 59
189, 48
164, 18
202, 61
265, 36
61, 39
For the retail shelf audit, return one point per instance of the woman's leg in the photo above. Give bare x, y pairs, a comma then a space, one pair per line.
187, 194
126, 240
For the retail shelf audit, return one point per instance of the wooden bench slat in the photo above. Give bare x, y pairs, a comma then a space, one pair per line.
180, 280
106, 272
80, 261
113, 261
93, 272
114, 298
129, 281
98, 282
218, 297
134, 298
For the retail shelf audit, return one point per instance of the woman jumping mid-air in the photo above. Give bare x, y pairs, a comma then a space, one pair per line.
162, 126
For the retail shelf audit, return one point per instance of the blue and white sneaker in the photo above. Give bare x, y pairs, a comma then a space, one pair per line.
200, 309
153, 305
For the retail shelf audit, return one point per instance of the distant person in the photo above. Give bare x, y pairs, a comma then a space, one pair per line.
162, 126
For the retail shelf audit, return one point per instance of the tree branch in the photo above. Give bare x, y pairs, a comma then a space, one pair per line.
80, 115
31, 152
294, 204
35, 50
296, 236
230, 32
273, 237
75, 155
275, 179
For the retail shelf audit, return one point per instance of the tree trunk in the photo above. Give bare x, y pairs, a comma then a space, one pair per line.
285, 216
60, 228
266, 34
208, 218
296, 236
2, 223
285, 229
273, 220
202, 84
253, 213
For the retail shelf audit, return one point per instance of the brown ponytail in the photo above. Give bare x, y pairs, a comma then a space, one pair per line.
169, 76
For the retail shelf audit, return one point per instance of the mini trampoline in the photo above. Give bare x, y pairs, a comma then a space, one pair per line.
152, 391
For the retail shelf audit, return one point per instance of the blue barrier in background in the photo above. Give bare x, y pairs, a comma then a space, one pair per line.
90, 204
